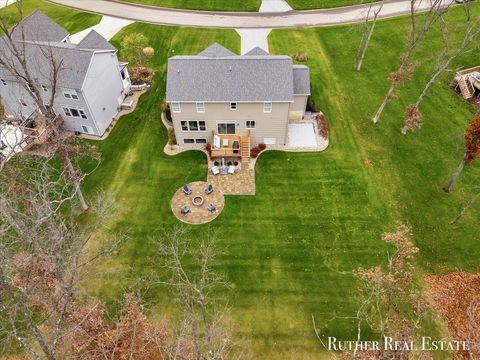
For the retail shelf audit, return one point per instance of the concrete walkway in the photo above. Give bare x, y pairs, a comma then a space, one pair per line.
107, 27
4, 3
252, 38
232, 20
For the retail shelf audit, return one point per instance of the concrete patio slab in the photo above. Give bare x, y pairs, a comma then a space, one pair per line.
301, 135
251, 38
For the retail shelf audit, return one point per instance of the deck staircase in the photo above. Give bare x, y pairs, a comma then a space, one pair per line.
245, 148
466, 87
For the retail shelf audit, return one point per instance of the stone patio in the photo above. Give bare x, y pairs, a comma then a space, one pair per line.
242, 182
197, 214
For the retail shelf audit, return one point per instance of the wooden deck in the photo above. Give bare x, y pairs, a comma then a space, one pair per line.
237, 146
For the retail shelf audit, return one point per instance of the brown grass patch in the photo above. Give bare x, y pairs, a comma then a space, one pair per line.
457, 299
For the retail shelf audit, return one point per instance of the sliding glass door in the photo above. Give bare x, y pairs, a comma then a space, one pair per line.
226, 127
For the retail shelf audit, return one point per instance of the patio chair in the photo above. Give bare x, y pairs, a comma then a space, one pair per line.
215, 170
185, 210
211, 208
209, 189
231, 169
187, 190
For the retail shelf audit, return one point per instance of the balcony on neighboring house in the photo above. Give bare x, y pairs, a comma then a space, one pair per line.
229, 145
125, 76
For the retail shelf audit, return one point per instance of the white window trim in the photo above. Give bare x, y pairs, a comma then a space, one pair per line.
254, 124
71, 93
175, 103
79, 110
226, 122
202, 105
236, 106
198, 126
264, 107
87, 127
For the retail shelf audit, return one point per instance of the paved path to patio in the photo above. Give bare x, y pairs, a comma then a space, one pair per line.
107, 27
4, 3
233, 20
197, 214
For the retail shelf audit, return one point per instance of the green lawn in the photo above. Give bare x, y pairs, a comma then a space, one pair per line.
322, 4
212, 5
290, 249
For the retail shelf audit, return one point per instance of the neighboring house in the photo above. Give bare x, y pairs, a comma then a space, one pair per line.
232, 101
92, 83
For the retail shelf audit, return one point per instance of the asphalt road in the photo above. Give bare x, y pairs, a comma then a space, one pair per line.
239, 20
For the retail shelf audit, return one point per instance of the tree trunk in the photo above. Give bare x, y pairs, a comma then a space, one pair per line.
76, 184
365, 47
452, 182
384, 103
466, 208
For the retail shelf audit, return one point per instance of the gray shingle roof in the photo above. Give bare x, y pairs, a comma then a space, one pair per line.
43, 39
216, 50
75, 62
94, 40
256, 51
230, 77
39, 27
301, 80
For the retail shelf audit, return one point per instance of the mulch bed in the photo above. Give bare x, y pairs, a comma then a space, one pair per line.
457, 299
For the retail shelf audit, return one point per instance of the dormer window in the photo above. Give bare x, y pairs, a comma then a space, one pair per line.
267, 107
233, 106
200, 107
176, 107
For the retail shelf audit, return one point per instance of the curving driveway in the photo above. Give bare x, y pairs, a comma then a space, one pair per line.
289, 19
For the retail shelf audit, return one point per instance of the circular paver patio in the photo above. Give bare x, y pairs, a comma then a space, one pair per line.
198, 214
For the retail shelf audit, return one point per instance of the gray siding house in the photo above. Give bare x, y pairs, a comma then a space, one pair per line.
232, 101
92, 83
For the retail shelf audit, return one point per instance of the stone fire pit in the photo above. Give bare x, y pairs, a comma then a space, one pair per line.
197, 200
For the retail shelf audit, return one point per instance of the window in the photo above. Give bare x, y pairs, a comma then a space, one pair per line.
193, 125
87, 129
194, 141
44, 87
250, 124
226, 128
4, 82
24, 104
200, 107
176, 107
233, 106
66, 111
122, 73
267, 107
74, 112
70, 94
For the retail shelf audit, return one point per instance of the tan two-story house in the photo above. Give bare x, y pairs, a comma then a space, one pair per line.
234, 102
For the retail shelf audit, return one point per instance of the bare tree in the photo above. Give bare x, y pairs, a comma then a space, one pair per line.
367, 32
33, 64
470, 35
467, 207
416, 34
390, 303
204, 333
43, 255
472, 150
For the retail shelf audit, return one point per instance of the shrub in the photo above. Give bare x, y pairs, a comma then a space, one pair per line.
300, 57
172, 140
235, 163
216, 163
167, 111
141, 75
322, 126
148, 52
208, 149
229, 163
262, 146
132, 46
